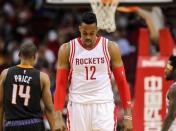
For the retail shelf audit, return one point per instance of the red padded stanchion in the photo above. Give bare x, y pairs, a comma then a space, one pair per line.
166, 42
150, 87
144, 42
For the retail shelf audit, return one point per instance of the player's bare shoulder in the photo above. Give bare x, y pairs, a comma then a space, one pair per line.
2, 80
113, 48
64, 53
43, 76
65, 46
115, 54
44, 79
63, 56
173, 88
64, 49
4, 74
172, 91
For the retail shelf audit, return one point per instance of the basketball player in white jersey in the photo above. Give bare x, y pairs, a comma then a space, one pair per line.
86, 63
169, 123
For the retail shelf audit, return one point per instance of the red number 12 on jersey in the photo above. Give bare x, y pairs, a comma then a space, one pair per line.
90, 71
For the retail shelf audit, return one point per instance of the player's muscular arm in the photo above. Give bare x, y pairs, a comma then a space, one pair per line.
171, 109
115, 55
119, 75
63, 68
2, 79
47, 100
63, 57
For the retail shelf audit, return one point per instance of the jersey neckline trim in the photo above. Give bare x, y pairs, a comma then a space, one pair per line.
25, 66
96, 43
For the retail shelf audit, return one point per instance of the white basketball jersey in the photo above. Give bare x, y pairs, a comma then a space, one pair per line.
90, 73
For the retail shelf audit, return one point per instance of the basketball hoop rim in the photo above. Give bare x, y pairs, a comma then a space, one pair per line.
107, 2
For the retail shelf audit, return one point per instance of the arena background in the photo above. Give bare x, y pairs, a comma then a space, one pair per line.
50, 23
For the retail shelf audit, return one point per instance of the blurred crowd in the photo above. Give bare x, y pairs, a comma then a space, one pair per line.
48, 28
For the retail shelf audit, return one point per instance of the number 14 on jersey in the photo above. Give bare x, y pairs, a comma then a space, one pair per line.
21, 93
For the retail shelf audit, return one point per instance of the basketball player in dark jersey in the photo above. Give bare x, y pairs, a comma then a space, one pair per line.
169, 123
21, 90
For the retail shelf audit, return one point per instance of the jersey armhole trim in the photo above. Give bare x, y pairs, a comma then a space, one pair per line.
107, 59
72, 54
71, 51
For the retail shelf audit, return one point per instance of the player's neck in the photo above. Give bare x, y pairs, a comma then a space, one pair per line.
26, 63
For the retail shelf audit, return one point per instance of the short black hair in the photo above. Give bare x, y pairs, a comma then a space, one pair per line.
27, 50
172, 60
89, 18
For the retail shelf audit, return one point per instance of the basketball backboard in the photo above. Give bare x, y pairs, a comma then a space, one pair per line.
126, 2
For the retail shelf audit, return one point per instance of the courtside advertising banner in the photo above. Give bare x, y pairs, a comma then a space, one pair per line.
150, 94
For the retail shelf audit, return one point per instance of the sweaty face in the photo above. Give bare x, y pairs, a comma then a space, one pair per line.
88, 34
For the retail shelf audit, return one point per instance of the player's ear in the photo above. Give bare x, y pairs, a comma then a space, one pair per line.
79, 27
35, 56
19, 54
98, 29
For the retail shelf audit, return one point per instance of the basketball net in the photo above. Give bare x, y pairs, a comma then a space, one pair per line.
105, 13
